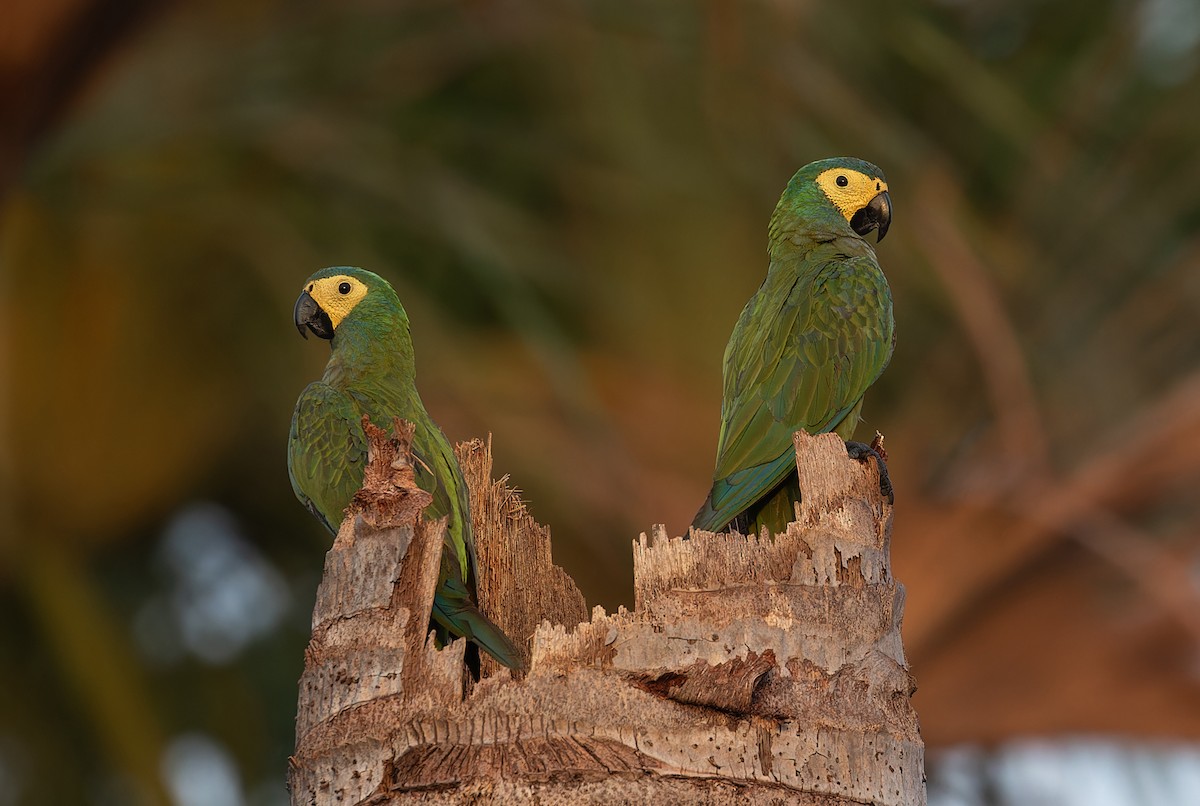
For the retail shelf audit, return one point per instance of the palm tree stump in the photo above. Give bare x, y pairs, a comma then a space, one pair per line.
752, 669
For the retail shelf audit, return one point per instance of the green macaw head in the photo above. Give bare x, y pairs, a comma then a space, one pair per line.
834, 195
343, 298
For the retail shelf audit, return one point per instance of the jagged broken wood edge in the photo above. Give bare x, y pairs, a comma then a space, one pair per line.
518, 585
389, 492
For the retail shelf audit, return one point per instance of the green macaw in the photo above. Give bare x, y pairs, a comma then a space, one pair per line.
371, 371
815, 335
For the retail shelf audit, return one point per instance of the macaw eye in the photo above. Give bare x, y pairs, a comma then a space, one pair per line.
842, 181
344, 288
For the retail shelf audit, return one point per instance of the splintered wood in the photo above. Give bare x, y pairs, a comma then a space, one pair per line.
759, 669
519, 586
389, 492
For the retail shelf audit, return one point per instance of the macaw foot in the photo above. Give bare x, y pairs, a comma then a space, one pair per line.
861, 452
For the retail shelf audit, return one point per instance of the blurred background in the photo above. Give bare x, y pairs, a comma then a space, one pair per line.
572, 200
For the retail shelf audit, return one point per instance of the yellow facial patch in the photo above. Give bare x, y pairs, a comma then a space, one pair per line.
337, 295
849, 190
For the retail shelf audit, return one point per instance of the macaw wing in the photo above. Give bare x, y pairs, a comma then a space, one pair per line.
803, 359
437, 472
327, 451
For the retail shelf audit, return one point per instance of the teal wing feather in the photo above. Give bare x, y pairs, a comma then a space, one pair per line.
454, 610
326, 452
454, 607
438, 473
800, 357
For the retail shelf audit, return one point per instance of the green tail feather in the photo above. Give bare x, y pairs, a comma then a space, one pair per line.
454, 612
734, 500
775, 510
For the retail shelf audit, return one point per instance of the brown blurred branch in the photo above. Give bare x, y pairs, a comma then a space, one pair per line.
1155, 447
988, 327
48, 53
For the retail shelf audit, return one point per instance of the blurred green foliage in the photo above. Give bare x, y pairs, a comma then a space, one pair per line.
571, 199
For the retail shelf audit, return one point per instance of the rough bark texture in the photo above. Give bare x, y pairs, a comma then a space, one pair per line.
519, 586
753, 669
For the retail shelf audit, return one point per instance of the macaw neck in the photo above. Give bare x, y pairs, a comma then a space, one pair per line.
814, 247
362, 357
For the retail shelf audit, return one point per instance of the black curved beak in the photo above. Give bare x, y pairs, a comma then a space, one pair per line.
308, 315
876, 215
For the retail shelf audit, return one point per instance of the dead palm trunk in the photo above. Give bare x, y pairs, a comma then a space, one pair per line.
751, 670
